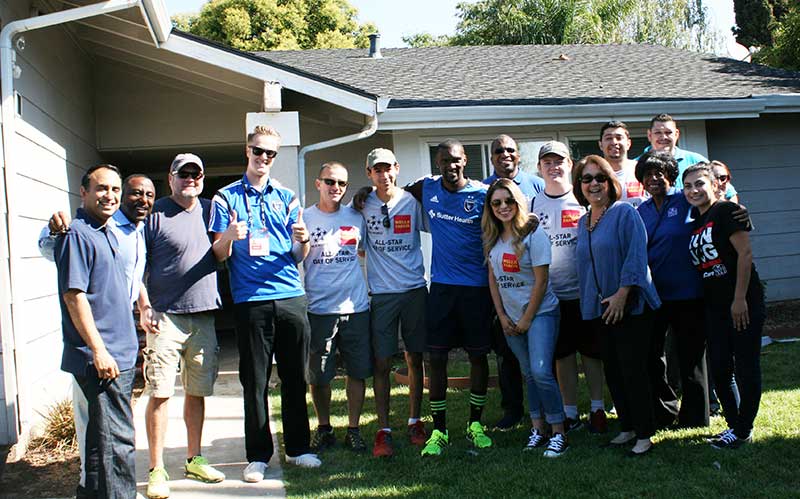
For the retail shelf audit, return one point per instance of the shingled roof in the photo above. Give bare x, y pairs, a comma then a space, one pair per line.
539, 74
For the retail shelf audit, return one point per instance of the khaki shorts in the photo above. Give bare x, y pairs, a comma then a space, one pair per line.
188, 340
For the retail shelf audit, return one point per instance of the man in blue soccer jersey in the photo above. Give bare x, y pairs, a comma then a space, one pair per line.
459, 304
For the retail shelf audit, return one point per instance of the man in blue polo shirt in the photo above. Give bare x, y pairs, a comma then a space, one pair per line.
100, 344
663, 135
258, 230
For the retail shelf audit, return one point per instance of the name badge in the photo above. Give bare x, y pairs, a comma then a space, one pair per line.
259, 242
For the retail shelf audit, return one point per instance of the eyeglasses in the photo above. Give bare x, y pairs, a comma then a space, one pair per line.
257, 151
194, 175
501, 150
331, 182
601, 178
723, 178
496, 203
385, 212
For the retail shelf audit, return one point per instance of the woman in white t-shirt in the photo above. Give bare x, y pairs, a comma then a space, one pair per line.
526, 306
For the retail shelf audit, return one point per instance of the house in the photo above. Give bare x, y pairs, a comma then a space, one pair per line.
87, 81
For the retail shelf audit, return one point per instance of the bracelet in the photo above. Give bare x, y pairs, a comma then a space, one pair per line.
306, 241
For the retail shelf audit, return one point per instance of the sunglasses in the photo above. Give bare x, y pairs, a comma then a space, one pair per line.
330, 182
189, 175
601, 178
496, 203
723, 178
257, 151
385, 212
501, 150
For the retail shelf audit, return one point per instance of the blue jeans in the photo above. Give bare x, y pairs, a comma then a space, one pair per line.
109, 445
534, 350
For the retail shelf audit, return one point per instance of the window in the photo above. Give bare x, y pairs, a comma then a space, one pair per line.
479, 163
582, 147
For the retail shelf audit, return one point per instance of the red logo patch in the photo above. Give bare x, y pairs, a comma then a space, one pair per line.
348, 235
634, 189
402, 224
510, 262
569, 218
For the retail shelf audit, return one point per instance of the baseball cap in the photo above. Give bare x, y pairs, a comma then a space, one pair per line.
380, 155
183, 159
554, 147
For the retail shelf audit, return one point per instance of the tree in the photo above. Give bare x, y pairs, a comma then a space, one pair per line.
279, 24
785, 49
756, 20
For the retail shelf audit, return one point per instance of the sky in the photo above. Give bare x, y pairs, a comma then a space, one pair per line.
396, 19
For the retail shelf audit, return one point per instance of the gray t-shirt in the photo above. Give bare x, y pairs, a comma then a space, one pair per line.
333, 277
394, 253
182, 269
514, 275
633, 192
558, 217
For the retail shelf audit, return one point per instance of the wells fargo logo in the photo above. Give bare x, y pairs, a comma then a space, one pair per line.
510, 262
569, 218
635, 189
402, 224
348, 235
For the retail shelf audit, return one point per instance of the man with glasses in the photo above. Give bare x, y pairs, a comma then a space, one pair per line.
338, 306
615, 142
505, 160
257, 228
396, 278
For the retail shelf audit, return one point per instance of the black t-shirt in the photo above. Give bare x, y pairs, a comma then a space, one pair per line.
715, 257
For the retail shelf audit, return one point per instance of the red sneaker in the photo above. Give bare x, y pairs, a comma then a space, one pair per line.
383, 444
417, 434
598, 422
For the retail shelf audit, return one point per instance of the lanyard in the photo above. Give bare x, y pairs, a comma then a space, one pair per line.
262, 208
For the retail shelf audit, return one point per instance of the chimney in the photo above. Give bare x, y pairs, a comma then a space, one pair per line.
375, 46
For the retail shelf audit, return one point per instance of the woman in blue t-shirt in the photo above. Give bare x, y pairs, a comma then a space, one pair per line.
735, 311
526, 306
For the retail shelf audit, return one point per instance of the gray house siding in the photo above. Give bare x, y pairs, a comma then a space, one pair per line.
764, 157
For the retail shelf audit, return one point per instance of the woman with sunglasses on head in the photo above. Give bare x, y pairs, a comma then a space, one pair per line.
734, 302
526, 306
618, 293
725, 190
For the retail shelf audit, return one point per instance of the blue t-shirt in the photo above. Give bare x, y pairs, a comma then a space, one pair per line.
528, 183
668, 234
88, 260
269, 213
455, 225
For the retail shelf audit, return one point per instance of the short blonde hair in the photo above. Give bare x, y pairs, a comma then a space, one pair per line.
263, 130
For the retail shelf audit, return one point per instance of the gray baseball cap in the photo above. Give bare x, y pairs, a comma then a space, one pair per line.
554, 147
183, 159
380, 155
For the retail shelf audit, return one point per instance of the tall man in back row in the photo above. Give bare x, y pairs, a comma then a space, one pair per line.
459, 304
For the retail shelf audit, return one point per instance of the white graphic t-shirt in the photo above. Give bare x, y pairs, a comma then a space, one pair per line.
558, 217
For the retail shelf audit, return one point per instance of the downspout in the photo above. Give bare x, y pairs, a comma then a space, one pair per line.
368, 130
9, 298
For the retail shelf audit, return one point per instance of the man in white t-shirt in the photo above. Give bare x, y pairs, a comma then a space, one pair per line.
396, 278
615, 142
338, 306
558, 213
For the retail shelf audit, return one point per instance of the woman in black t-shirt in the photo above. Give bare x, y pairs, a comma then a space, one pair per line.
735, 311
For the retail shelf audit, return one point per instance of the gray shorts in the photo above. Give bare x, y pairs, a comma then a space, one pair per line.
392, 311
349, 334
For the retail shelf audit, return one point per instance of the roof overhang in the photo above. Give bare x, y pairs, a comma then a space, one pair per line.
505, 116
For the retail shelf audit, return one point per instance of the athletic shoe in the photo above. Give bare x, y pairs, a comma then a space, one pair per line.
714, 438
476, 433
157, 484
417, 434
322, 440
535, 439
508, 422
436, 444
383, 444
304, 461
729, 440
353, 440
598, 422
199, 469
254, 472
556, 446
572, 424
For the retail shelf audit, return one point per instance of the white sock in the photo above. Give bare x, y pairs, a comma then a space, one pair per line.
387, 430
412, 421
571, 411
598, 404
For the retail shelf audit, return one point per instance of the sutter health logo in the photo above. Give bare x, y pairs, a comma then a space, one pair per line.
402, 224
569, 218
510, 262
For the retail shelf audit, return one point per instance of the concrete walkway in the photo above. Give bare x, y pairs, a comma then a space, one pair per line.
223, 441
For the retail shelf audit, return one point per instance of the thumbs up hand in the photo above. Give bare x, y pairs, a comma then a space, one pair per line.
299, 230
236, 230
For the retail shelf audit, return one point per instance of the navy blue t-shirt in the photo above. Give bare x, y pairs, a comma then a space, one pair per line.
88, 260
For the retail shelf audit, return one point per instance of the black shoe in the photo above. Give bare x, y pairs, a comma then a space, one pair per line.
353, 440
322, 440
713, 438
572, 424
729, 440
508, 422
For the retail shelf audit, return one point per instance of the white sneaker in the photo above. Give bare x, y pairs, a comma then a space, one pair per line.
304, 461
254, 472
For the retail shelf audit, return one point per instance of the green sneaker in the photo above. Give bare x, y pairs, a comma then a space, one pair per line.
199, 469
436, 444
476, 434
157, 484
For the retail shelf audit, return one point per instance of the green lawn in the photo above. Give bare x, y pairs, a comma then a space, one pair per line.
681, 465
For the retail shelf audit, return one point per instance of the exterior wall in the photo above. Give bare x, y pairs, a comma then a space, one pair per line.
54, 143
764, 157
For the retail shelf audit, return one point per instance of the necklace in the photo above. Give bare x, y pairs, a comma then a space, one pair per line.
591, 226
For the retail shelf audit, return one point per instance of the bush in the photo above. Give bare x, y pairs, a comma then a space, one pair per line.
59, 429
